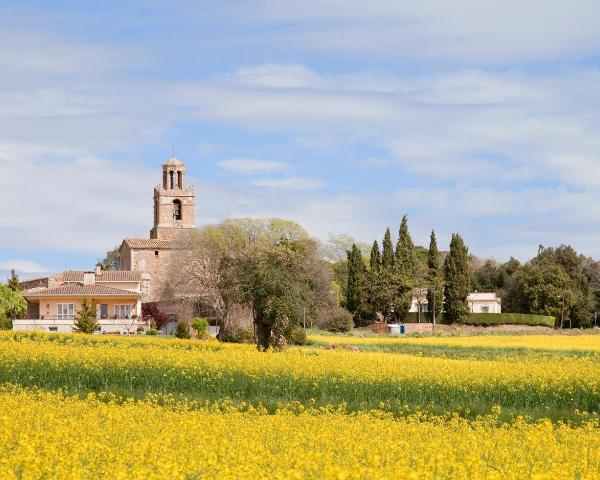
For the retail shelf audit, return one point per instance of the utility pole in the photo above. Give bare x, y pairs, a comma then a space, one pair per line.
562, 312
433, 326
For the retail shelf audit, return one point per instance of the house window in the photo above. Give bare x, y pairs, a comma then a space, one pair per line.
53, 329
66, 311
176, 210
485, 309
122, 311
103, 310
156, 253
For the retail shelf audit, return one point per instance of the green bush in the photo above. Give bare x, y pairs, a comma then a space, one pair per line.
298, 336
509, 319
200, 326
182, 330
237, 335
5, 323
483, 319
152, 331
339, 320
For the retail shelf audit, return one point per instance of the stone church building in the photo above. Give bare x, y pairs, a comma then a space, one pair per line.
174, 212
53, 301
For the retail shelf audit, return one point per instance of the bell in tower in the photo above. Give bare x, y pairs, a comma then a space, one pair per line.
174, 203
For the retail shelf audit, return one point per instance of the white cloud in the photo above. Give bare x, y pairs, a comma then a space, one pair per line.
22, 266
250, 166
278, 76
28, 53
290, 183
76, 203
488, 32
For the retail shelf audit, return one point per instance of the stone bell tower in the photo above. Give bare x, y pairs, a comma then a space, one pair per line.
174, 202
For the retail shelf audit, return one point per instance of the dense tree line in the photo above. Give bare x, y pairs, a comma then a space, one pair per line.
557, 281
386, 287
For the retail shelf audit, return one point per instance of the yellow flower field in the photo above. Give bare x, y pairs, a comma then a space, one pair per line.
78, 406
361, 379
45, 435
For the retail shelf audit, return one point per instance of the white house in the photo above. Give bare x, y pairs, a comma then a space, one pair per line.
53, 302
478, 302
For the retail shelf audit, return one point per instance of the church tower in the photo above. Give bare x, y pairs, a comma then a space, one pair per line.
174, 202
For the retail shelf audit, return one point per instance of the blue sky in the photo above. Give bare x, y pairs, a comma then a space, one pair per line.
473, 117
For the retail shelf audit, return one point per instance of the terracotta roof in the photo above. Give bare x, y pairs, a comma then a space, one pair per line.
147, 243
78, 290
70, 276
118, 276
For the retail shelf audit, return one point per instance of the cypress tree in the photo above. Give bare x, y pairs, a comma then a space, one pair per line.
14, 283
457, 285
405, 250
387, 256
435, 279
404, 267
375, 261
356, 271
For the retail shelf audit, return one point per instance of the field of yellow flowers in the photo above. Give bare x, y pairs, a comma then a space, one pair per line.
76, 406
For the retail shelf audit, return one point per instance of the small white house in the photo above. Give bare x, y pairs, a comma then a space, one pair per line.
484, 303
487, 302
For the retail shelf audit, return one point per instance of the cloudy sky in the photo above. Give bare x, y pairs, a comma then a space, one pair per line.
478, 117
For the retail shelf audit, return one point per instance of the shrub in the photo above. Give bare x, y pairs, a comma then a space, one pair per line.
236, 335
152, 331
298, 336
151, 310
200, 326
182, 330
483, 319
509, 318
338, 320
85, 321
5, 322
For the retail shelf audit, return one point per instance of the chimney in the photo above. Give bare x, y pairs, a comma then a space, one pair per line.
89, 278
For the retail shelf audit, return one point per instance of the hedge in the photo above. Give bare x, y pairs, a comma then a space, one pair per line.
491, 319
509, 318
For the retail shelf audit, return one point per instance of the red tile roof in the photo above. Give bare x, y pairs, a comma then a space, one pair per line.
148, 243
78, 290
118, 276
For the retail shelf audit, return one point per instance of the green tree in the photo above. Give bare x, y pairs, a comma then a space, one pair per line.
435, 279
375, 260
112, 261
387, 255
404, 271
85, 320
546, 288
457, 277
276, 281
12, 303
13, 282
356, 274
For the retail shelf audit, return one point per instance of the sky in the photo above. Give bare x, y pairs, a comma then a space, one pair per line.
476, 117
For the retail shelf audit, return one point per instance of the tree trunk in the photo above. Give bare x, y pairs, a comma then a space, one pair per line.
263, 335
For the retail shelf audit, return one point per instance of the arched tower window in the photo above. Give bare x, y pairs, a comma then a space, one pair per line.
179, 179
172, 179
165, 179
176, 210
